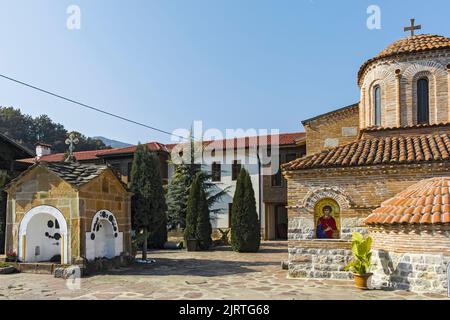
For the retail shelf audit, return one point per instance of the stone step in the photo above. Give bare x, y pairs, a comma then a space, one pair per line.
37, 268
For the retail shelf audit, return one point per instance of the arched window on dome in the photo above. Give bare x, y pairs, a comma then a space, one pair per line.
423, 101
377, 105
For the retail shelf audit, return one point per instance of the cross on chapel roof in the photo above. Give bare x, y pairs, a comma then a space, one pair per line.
413, 27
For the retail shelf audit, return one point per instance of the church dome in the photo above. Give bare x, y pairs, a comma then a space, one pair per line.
414, 44
426, 202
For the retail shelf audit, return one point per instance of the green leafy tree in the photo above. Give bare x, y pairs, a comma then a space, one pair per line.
27, 130
148, 201
3, 180
198, 222
245, 226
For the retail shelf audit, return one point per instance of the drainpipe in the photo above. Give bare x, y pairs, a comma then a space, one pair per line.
259, 187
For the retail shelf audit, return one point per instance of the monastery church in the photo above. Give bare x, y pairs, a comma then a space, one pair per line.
380, 167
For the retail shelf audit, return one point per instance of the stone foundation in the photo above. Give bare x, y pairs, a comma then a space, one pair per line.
319, 259
410, 271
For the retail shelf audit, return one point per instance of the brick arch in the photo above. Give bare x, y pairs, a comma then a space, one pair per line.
334, 193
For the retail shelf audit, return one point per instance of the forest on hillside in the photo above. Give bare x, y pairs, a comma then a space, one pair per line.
27, 130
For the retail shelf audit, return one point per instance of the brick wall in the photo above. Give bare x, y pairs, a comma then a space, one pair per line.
357, 191
431, 65
332, 130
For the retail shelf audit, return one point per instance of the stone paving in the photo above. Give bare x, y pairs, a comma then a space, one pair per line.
218, 274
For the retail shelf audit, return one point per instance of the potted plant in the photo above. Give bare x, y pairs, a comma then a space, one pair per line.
362, 260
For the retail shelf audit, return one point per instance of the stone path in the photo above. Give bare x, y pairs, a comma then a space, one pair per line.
218, 274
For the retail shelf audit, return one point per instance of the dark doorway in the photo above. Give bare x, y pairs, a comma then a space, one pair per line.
281, 222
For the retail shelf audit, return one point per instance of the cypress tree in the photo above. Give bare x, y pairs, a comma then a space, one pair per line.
204, 228
191, 212
177, 197
198, 223
158, 209
148, 201
245, 228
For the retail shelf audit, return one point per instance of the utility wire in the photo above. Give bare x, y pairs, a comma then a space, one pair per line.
91, 107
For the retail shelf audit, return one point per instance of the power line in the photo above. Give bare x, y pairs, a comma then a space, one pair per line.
91, 107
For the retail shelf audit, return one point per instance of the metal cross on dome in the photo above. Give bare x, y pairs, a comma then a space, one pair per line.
71, 142
413, 27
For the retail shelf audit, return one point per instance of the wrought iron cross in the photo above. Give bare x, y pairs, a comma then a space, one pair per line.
71, 142
413, 27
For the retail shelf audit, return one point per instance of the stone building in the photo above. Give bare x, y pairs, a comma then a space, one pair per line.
64, 211
411, 242
403, 137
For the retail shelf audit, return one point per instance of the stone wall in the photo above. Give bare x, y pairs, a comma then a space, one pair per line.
319, 259
332, 130
105, 193
411, 258
37, 188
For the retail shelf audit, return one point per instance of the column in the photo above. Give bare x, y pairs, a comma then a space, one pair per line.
399, 98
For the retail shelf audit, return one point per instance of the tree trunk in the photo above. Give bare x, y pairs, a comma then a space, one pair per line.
144, 245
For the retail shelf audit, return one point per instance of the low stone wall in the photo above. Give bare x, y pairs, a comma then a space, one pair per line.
323, 259
89, 267
410, 271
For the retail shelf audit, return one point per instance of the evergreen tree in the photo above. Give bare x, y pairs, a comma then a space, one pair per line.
158, 221
204, 228
177, 197
193, 204
198, 223
245, 227
179, 186
148, 199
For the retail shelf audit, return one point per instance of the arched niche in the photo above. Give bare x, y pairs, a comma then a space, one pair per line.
43, 234
104, 240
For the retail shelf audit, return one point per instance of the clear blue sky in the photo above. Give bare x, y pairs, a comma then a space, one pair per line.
231, 63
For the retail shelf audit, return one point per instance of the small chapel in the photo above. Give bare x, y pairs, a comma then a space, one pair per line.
380, 167
67, 212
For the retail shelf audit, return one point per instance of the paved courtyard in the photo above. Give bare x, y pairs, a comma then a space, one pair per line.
218, 274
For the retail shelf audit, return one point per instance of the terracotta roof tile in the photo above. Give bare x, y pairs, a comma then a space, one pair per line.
410, 200
415, 44
378, 151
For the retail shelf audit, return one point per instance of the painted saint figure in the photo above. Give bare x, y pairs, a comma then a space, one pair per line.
326, 225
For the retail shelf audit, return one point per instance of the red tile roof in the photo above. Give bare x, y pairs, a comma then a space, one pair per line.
378, 151
284, 139
426, 202
94, 154
415, 44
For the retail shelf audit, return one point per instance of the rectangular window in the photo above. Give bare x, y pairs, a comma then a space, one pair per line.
291, 157
277, 178
235, 169
216, 172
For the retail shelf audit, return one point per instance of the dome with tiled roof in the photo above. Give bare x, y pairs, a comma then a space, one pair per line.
414, 44
426, 202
